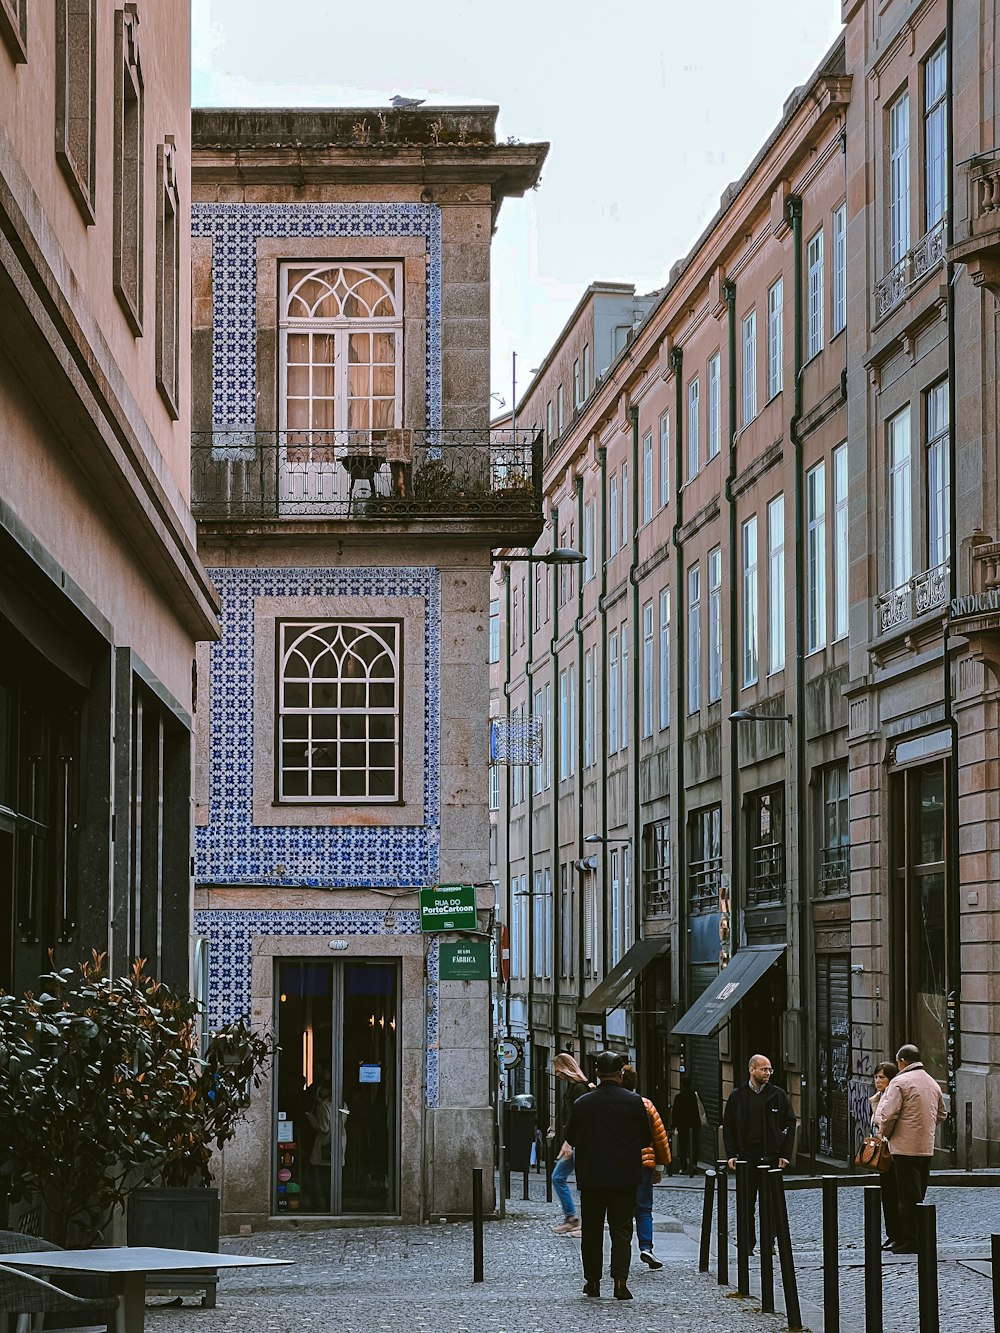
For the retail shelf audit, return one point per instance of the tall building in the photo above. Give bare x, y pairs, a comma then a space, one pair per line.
102, 594
348, 492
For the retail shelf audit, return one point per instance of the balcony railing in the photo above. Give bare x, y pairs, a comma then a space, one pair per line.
657, 896
834, 869
767, 874
704, 883
918, 595
926, 255
373, 475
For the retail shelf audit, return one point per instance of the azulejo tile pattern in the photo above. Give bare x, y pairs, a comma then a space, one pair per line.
235, 229
231, 849
230, 934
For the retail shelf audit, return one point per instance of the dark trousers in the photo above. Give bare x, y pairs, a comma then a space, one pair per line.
617, 1206
887, 1182
756, 1161
687, 1147
911, 1185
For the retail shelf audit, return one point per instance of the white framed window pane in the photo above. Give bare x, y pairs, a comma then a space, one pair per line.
775, 338
693, 445
616, 905
839, 312
899, 179
776, 583
548, 746
938, 481
647, 477
664, 458
664, 658
577, 394
588, 707
626, 529
816, 557
935, 142
623, 637
647, 669
749, 367
538, 772
714, 625
560, 409
814, 291
586, 369
494, 787
714, 405
900, 516
571, 720
588, 542
694, 639
840, 541
613, 513
563, 724
613, 695
750, 641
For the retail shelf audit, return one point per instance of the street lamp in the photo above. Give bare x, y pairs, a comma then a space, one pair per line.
562, 555
744, 715
596, 837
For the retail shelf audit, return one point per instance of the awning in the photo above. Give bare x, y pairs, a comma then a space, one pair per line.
621, 979
711, 1008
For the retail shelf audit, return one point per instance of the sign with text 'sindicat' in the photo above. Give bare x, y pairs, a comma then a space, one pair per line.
448, 907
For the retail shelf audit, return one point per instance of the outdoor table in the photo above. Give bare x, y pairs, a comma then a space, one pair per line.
128, 1265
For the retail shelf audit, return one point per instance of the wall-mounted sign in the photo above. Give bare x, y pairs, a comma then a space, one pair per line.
448, 907
510, 1052
976, 604
465, 960
370, 1074
286, 1131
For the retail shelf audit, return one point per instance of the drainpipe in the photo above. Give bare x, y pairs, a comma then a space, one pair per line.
602, 461
528, 776
794, 209
953, 1043
679, 614
633, 413
508, 779
735, 886
556, 722
580, 712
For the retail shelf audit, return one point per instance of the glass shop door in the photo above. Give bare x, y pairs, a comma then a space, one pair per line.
336, 1125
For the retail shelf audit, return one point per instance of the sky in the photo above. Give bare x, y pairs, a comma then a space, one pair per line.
648, 123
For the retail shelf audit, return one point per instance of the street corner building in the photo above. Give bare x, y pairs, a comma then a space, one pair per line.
102, 595
348, 492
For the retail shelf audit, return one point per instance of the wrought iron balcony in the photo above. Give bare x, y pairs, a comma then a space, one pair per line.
922, 593
767, 874
704, 884
834, 869
926, 255
377, 475
657, 896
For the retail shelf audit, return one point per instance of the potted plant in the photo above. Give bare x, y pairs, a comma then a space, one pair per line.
103, 1089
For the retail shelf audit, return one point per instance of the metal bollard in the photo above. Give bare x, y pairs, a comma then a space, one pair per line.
767, 1231
873, 1259
927, 1283
831, 1257
549, 1146
526, 1194
706, 1223
788, 1283
743, 1224
477, 1224
722, 1223
995, 1253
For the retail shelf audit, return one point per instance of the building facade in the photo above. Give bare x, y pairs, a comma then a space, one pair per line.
348, 491
102, 595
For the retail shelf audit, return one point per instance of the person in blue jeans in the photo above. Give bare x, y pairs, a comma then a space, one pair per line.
655, 1156
566, 1069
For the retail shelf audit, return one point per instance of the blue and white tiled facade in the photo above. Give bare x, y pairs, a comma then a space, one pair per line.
235, 230
230, 935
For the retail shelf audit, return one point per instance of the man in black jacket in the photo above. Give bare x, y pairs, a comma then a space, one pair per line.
758, 1127
608, 1130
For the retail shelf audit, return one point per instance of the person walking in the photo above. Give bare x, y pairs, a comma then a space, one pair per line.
908, 1114
758, 1126
686, 1117
608, 1130
565, 1068
653, 1157
883, 1076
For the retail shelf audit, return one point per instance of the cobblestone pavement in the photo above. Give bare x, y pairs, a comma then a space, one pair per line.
419, 1279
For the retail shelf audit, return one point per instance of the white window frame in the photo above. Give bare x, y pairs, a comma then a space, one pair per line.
900, 474
664, 459
613, 695
838, 313
751, 638
647, 477
775, 338
935, 140
898, 115
617, 905
647, 670
577, 397
586, 371
589, 707
749, 367
538, 770
838, 463
623, 637
694, 639
714, 405
613, 514
626, 534
560, 410
714, 564
548, 747
814, 295
664, 658
937, 472
816, 557
588, 541
693, 443
776, 584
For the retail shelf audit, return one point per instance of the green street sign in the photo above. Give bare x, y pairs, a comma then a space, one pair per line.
448, 907
465, 960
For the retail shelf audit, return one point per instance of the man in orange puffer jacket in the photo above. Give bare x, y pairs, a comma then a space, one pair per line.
657, 1155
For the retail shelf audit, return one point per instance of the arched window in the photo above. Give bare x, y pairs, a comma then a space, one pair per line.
338, 711
341, 344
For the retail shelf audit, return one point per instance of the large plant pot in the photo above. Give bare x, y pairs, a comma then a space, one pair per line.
177, 1219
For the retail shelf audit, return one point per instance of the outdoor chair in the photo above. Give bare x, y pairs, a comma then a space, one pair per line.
30, 1298
94, 1286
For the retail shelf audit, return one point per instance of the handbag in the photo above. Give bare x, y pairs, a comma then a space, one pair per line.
873, 1155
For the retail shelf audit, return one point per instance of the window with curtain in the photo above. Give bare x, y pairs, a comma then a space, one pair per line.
693, 446
714, 625
749, 367
816, 558
647, 669
899, 179
776, 584
775, 337
664, 458
814, 295
613, 693
341, 342
623, 638
900, 520
694, 639
750, 640
838, 312
613, 514
714, 405
664, 658
647, 477
840, 541
935, 137
938, 517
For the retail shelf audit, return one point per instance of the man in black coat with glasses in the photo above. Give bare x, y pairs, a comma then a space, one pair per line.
758, 1126
608, 1130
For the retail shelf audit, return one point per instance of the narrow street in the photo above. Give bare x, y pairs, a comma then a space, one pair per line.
420, 1278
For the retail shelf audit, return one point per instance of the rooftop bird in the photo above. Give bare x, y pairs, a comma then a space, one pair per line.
403, 103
